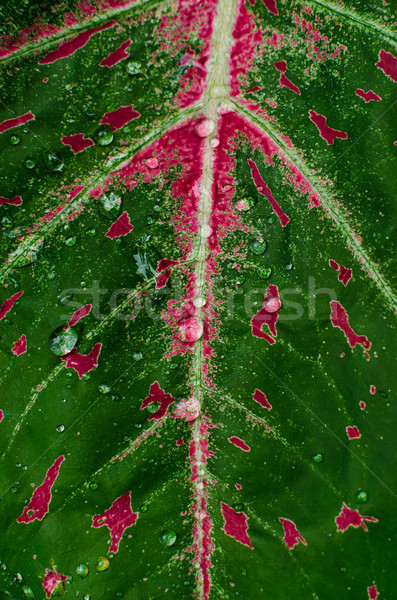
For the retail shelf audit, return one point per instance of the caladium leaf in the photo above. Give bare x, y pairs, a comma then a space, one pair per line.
196, 312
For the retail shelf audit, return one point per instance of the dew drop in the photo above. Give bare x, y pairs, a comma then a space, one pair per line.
13, 490
53, 162
157, 208
143, 508
29, 163
317, 458
62, 342
383, 394
361, 497
60, 428
64, 298
205, 230
110, 204
3, 566
238, 507
104, 135
86, 597
190, 329
137, 356
204, 128
152, 163
82, 570
71, 241
104, 388
215, 142
133, 68
264, 272
245, 204
271, 218
94, 485
272, 305
29, 593
116, 398
91, 232
102, 564
151, 220
289, 266
258, 247
14, 139
153, 407
18, 465
51, 275
168, 537
199, 301
17, 578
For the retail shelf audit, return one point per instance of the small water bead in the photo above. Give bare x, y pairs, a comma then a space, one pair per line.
361, 497
289, 266
214, 143
258, 247
17, 578
68, 386
157, 208
18, 465
153, 407
25, 467
14, 489
86, 597
29, 593
138, 425
82, 570
137, 356
104, 135
205, 231
271, 218
102, 564
383, 394
14, 139
238, 507
264, 272
133, 68
62, 342
60, 428
71, 241
152, 163
51, 276
94, 485
143, 508
168, 537
199, 301
91, 232
26, 130
53, 162
317, 458
65, 298
3, 566
116, 398
29, 163
245, 204
151, 220
204, 128
104, 388
343, 569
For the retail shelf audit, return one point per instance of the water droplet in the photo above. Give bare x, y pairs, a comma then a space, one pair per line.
271, 218
94, 485
116, 398
14, 139
240, 279
214, 142
151, 220
82, 570
18, 465
137, 356
289, 266
13, 490
168, 537
3, 566
317, 458
29, 593
53, 162
153, 407
104, 135
206, 231
343, 569
152, 163
104, 388
103, 563
29, 163
60, 428
91, 232
110, 204
258, 247
143, 508
204, 128
264, 272
68, 386
243, 573
245, 204
86, 597
51, 275
199, 301
361, 497
6, 222
157, 208
383, 395
65, 297
190, 329
17, 578
133, 68
238, 507
71, 241
62, 342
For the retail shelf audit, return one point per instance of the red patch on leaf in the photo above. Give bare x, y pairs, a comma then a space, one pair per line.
388, 63
265, 191
118, 518
284, 81
70, 47
345, 274
163, 268
77, 142
121, 227
83, 363
10, 123
236, 525
291, 534
271, 6
8, 304
20, 346
353, 432
16, 201
368, 96
372, 592
156, 394
119, 117
326, 132
51, 580
1, 415
261, 399
239, 443
266, 316
115, 57
41, 498
339, 318
79, 314
349, 517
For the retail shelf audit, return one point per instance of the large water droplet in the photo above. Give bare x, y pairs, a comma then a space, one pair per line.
153, 407
204, 128
199, 301
110, 204
14, 139
264, 272
104, 388
317, 458
29, 163
168, 537
82, 570
62, 342
205, 230
104, 135
361, 497
103, 563
53, 162
245, 204
133, 67
190, 329
258, 247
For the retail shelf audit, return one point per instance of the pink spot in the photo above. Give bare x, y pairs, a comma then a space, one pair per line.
339, 318
265, 191
372, 389
353, 432
163, 268
10, 123
16, 201
118, 517
156, 394
20, 346
115, 57
238, 486
368, 96
388, 64
334, 265
68, 48
291, 534
326, 132
79, 314
271, 6
77, 142
284, 81
83, 363
51, 580
8, 304
41, 498
344, 275
348, 517
372, 592
236, 525
152, 163
239, 443
119, 117
121, 227
362, 405
1, 415
264, 317
179, 442
261, 399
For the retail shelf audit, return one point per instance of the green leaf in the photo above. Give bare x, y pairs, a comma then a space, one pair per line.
196, 312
